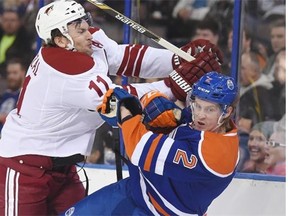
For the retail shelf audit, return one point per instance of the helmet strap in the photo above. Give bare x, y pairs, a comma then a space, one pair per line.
220, 121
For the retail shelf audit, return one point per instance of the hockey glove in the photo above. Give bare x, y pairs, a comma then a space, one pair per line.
160, 114
108, 108
194, 48
181, 79
113, 99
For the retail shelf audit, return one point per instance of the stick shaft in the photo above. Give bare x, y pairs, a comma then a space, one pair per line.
137, 27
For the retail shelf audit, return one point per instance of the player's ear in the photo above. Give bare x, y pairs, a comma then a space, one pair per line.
61, 41
229, 111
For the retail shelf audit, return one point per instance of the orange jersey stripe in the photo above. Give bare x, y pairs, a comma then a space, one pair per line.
151, 152
157, 206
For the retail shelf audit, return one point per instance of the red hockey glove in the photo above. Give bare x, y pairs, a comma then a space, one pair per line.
181, 79
195, 47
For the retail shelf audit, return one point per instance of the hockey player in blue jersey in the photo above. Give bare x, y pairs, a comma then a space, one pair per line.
182, 172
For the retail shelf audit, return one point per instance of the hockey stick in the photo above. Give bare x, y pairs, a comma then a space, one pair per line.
164, 43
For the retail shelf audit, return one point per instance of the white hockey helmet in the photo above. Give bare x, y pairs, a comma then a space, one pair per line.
57, 15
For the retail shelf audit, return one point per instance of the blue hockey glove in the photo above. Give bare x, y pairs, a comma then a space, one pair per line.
160, 114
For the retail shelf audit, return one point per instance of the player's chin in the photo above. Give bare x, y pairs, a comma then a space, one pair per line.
88, 51
200, 127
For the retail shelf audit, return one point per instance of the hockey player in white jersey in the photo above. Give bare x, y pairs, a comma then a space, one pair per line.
54, 123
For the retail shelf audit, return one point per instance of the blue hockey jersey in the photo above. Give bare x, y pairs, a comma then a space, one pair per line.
179, 174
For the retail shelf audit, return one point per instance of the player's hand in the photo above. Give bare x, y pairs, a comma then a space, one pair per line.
160, 114
108, 108
194, 48
181, 79
130, 102
112, 102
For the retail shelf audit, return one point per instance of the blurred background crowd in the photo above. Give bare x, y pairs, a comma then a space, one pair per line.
261, 115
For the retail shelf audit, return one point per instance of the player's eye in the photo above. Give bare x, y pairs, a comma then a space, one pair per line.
211, 109
81, 31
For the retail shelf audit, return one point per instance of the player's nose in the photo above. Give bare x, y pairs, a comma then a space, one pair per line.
88, 35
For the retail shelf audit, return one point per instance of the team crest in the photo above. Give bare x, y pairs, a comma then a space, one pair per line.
230, 84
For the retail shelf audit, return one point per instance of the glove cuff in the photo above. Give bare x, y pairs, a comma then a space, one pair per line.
177, 92
178, 85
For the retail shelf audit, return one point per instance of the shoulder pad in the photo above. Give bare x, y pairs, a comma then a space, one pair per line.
93, 29
66, 61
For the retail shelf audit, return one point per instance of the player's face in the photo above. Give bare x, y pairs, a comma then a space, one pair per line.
256, 146
81, 37
206, 115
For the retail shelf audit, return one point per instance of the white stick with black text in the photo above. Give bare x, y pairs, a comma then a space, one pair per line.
164, 43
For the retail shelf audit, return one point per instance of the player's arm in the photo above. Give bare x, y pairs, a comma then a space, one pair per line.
179, 82
147, 62
134, 60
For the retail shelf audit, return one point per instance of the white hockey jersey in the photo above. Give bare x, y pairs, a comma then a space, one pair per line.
55, 114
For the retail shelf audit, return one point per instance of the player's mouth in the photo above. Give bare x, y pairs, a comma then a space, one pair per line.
199, 125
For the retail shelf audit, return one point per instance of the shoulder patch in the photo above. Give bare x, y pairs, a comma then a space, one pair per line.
93, 29
219, 153
66, 61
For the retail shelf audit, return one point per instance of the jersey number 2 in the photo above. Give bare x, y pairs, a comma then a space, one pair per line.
189, 163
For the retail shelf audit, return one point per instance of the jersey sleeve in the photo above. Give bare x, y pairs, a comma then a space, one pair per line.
178, 158
134, 60
139, 89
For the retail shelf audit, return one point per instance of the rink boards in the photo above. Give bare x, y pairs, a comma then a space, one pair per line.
247, 195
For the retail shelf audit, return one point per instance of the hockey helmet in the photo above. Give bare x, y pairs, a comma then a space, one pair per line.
57, 15
217, 88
